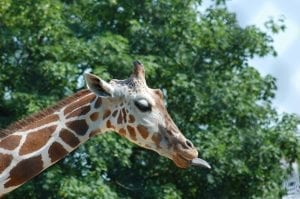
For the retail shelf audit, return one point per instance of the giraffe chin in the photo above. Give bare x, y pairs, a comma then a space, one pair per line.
184, 154
181, 162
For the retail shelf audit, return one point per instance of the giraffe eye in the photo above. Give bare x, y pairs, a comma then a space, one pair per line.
143, 105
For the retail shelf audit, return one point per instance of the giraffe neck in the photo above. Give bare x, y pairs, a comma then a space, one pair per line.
41, 143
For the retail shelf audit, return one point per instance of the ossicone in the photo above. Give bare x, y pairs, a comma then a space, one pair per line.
138, 71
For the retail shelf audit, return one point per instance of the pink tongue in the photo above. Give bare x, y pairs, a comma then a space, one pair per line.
200, 163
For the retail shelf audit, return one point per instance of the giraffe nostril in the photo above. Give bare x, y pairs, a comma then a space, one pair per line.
189, 144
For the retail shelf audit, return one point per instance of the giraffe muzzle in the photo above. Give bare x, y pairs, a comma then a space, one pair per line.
187, 155
196, 161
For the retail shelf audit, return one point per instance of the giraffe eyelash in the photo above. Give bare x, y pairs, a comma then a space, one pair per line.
143, 105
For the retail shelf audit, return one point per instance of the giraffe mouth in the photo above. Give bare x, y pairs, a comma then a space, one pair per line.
184, 162
184, 153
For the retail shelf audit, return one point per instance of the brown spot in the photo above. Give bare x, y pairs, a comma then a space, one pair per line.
124, 115
48, 119
120, 118
109, 125
131, 119
106, 114
156, 139
34, 119
98, 102
69, 138
5, 161
78, 126
10, 142
115, 113
79, 103
80, 111
159, 93
143, 131
56, 152
24, 171
170, 132
122, 132
95, 132
180, 162
94, 116
131, 132
36, 140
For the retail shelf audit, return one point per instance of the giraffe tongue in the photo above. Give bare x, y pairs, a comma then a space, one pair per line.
200, 163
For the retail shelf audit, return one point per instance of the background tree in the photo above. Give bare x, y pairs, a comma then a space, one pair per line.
200, 60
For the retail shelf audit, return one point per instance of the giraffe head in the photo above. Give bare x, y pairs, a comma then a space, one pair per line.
138, 113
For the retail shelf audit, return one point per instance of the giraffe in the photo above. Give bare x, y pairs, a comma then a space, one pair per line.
128, 107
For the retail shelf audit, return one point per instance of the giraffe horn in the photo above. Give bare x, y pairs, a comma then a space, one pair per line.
138, 70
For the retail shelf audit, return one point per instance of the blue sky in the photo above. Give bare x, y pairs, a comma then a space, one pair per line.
286, 66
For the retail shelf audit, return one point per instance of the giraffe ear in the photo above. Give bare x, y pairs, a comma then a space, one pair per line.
98, 86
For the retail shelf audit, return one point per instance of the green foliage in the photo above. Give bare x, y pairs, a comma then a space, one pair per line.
200, 60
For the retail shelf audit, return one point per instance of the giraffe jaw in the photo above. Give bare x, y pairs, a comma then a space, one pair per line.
180, 161
183, 162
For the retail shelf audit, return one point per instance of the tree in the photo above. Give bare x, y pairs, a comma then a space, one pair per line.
200, 60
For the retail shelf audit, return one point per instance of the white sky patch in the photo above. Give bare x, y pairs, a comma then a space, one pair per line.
286, 66
204, 5
283, 40
266, 10
295, 82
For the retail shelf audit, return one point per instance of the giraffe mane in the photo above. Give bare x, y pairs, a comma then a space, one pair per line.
41, 114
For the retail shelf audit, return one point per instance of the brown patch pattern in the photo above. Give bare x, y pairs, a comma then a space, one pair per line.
24, 171
94, 116
122, 132
10, 142
114, 114
156, 139
42, 114
106, 114
131, 119
120, 118
132, 133
143, 131
36, 140
48, 119
95, 132
80, 111
98, 102
5, 160
124, 115
78, 126
85, 100
109, 125
69, 138
56, 152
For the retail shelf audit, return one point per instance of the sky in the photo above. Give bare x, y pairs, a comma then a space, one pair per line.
286, 66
